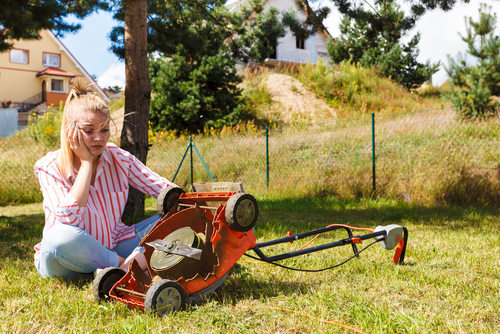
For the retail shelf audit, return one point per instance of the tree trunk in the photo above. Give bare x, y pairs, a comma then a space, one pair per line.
134, 136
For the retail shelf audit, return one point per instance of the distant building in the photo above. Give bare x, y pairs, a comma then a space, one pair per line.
291, 49
35, 72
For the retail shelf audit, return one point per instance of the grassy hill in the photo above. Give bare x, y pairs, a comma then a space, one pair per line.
344, 91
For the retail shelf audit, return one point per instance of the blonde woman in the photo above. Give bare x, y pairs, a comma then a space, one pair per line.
85, 186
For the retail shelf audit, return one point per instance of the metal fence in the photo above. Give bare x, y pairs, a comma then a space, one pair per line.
417, 156
406, 155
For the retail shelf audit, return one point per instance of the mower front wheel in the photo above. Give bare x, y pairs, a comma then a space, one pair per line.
164, 297
242, 212
104, 281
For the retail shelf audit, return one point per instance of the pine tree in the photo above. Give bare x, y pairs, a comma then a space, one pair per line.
471, 86
194, 95
374, 39
194, 80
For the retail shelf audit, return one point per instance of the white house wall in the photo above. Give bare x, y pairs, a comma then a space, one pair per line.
287, 51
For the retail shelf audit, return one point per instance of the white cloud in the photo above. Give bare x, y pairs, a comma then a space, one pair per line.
113, 76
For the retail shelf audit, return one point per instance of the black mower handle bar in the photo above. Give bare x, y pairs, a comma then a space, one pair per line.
351, 240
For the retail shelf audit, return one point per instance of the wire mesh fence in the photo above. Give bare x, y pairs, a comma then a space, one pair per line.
423, 156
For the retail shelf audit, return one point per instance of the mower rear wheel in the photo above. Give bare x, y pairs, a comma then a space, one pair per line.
164, 297
104, 281
242, 212
167, 199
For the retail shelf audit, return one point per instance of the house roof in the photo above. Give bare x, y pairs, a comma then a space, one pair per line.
56, 72
63, 48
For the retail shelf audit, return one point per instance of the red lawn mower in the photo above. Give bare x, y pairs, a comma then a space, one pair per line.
201, 236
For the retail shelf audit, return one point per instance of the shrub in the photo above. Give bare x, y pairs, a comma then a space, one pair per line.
45, 128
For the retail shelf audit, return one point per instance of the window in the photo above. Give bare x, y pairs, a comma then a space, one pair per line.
18, 56
51, 60
57, 85
300, 43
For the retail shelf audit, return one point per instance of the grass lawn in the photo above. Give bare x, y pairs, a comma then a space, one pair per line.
449, 284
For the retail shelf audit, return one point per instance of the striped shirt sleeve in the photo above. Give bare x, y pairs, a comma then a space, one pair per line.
57, 199
145, 180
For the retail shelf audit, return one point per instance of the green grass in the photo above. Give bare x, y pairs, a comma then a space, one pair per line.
449, 284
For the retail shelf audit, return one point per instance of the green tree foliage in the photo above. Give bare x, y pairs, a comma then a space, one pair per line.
115, 88
194, 81
193, 95
471, 86
23, 19
312, 23
373, 38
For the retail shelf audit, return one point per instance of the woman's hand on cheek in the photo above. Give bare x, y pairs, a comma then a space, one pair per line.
77, 144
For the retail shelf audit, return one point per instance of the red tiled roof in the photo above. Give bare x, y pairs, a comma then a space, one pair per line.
55, 71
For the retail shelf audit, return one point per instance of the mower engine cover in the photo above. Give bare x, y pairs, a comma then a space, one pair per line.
393, 236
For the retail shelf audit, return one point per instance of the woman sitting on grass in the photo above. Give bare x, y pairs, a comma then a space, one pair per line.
85, 186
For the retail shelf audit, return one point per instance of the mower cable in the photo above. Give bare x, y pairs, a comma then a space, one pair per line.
341, 225
315, 270
305, 315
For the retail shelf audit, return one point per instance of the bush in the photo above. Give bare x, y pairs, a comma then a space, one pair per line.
45, 128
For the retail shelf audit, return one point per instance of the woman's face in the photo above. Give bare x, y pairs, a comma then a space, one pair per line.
94, 127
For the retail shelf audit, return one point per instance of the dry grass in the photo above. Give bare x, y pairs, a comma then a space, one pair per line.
354, 91
425, 157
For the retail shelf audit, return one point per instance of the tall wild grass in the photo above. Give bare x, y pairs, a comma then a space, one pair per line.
423, 157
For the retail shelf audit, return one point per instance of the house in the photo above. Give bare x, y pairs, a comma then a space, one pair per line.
291, 49
38, 72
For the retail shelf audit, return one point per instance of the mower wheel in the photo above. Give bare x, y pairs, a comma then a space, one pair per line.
167, 199
242, 212
104, 281
164, 297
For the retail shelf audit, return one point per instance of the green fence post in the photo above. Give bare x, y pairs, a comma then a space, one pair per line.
373, 151
191, 152
182, 160
267, 157
203, 162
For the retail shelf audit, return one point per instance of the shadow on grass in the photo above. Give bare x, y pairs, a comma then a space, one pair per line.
19, 233
18, 236
242, 285
308, 213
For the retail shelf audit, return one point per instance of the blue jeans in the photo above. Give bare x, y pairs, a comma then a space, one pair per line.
68, 251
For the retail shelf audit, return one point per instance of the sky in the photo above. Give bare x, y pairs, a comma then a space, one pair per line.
439, 38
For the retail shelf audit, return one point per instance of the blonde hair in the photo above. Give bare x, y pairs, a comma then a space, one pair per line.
81, 99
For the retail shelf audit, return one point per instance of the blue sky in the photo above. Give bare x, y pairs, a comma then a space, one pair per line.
439, 38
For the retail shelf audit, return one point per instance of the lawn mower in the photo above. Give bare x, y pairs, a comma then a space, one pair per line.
200, 237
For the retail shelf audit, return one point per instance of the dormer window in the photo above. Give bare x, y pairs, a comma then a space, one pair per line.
19, 56
51, 60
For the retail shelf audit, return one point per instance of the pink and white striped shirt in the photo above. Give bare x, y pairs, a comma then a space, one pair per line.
101, 218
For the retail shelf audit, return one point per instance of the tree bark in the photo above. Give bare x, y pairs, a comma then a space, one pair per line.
134, 136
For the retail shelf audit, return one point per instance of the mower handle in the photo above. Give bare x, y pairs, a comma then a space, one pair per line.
380, 235
351, 240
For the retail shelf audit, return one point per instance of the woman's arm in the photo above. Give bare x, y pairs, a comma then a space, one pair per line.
81, 187
145, 180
